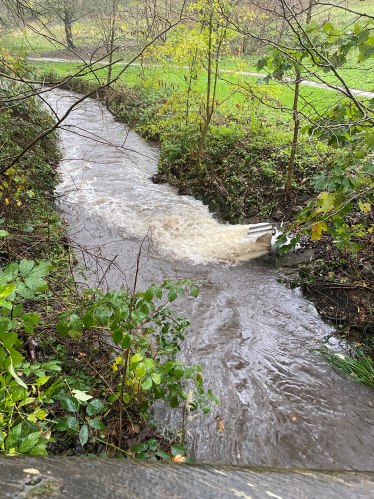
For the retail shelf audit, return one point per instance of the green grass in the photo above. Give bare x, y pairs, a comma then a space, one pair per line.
359, 368
357, 75
174, 78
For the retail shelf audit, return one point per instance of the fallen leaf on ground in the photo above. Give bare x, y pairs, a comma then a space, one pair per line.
133, 428
220, 425
33, 471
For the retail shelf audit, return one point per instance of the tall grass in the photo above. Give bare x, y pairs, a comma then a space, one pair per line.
359, 368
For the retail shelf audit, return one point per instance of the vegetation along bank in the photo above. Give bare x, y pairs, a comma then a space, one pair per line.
68, 358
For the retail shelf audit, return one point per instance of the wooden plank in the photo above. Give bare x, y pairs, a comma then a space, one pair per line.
91, 478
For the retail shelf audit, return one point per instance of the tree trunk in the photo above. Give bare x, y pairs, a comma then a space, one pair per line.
309, 12
295, 134
68, 31
209, 105
111, 48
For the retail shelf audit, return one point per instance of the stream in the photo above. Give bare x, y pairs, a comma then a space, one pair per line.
280, 403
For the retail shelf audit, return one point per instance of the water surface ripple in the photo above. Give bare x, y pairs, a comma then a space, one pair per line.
281, 405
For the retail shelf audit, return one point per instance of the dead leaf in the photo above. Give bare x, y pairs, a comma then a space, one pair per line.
133, 428
220, 425
106, 432
46, 434
179, 458
32, 471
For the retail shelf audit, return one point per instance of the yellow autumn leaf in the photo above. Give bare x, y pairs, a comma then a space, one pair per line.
365, 207
317, 230
326, 202
7, 200
32, 418
41, 414
19, 203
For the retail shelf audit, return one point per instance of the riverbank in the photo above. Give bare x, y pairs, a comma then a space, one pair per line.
77, 411
241, 179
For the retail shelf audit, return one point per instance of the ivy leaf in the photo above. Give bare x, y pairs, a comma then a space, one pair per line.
68, 423
163, 455
152, 443
177, 449
83, 435
94, 407
98, 425
69, 403
139, 447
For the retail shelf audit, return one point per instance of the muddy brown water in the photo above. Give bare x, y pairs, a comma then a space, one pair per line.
280, 403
